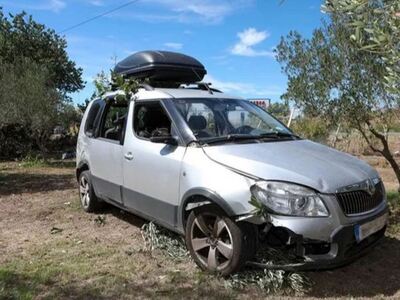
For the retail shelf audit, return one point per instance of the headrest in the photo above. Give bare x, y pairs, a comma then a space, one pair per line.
197, 123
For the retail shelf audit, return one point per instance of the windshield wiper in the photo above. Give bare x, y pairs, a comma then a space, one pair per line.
243, 137
278, 134
228, 138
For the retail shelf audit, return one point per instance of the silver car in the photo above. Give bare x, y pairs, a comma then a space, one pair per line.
192, 160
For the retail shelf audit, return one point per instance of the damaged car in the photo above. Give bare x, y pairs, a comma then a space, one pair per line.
223, 172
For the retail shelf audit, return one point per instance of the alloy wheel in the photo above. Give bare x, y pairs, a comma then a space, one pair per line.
84, 190
212, 241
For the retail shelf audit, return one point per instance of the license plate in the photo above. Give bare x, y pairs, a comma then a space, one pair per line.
365, 230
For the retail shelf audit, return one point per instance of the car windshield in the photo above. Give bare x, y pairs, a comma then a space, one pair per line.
221, 120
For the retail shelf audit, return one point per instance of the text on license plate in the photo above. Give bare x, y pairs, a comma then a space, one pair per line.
364, 230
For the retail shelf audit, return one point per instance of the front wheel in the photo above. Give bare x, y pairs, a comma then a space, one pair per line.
217, 243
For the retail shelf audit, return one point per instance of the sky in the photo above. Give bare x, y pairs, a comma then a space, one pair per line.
234, 39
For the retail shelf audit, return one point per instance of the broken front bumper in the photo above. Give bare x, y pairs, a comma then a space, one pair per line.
324, 243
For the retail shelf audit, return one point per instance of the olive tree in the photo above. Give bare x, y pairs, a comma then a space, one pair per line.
23, 37
25, 100
36, 77
374, 27
330, 77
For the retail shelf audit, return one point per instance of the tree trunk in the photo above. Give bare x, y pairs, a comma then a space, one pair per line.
393, 163
385, 152
41, 140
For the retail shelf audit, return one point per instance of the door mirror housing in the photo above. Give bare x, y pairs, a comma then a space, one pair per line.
90, 133
164, 139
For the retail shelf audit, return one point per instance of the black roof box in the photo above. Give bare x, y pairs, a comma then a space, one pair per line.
161, 66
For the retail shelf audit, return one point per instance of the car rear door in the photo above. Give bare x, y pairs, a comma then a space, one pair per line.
106, 154
151, 170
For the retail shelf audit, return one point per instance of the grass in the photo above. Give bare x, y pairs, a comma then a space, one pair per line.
59, 266
15, 286
103, 256
38, 162
267, 281
394, 205
65, 268
33, 162
393, 198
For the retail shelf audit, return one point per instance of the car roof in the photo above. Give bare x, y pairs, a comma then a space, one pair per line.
168, 93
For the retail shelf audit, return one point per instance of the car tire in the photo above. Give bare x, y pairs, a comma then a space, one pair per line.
90, 203
217, 243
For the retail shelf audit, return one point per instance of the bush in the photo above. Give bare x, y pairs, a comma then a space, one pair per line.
315, 129
16, 141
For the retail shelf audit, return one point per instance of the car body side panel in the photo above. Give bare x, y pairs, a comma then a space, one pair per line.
201, 173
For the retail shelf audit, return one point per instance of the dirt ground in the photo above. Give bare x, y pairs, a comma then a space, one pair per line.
50, 248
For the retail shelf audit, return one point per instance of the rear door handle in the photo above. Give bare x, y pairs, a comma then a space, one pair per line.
128, 156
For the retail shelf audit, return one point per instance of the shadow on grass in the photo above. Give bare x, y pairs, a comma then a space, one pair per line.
16, 183
14, 285
375, 274
125, 216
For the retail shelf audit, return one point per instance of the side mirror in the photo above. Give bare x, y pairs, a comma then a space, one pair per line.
89, 133
164, 139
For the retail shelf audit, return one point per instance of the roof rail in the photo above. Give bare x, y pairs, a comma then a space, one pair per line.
146, 86
204, 86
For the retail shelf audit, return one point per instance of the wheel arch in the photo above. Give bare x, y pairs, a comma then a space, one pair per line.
82, 166
201, 195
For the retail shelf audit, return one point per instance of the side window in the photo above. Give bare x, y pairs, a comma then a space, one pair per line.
201, 120
150, 119
113, 123
91, 118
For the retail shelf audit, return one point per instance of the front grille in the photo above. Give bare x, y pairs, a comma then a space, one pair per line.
356, 202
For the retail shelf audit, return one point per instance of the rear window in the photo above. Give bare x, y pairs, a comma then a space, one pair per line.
91, 118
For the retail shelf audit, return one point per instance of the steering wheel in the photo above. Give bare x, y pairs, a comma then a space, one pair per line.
245, 129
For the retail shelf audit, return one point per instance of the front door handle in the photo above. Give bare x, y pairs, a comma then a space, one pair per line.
128, 156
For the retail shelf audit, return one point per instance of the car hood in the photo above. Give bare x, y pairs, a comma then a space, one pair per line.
300, 161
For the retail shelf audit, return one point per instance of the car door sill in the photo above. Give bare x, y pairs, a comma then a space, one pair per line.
144, 216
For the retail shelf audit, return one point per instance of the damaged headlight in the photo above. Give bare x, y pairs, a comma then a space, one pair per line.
289, 199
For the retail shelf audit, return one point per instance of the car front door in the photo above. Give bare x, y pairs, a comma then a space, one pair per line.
106, 152
151, 170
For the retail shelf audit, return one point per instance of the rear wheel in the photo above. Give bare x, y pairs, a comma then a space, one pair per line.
89, 201
216, 242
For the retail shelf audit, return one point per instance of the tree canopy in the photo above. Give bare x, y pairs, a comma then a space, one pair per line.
36, 76
21, 37
331, 76
374, 27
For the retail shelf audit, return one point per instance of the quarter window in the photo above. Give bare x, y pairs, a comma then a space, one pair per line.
92, 117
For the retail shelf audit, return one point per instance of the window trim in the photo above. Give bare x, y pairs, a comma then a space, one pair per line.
96, 119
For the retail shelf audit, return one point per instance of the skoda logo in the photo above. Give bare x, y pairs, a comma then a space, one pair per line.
370, 186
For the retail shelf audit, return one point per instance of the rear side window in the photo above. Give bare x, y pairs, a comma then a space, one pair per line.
113, 125
91, 118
